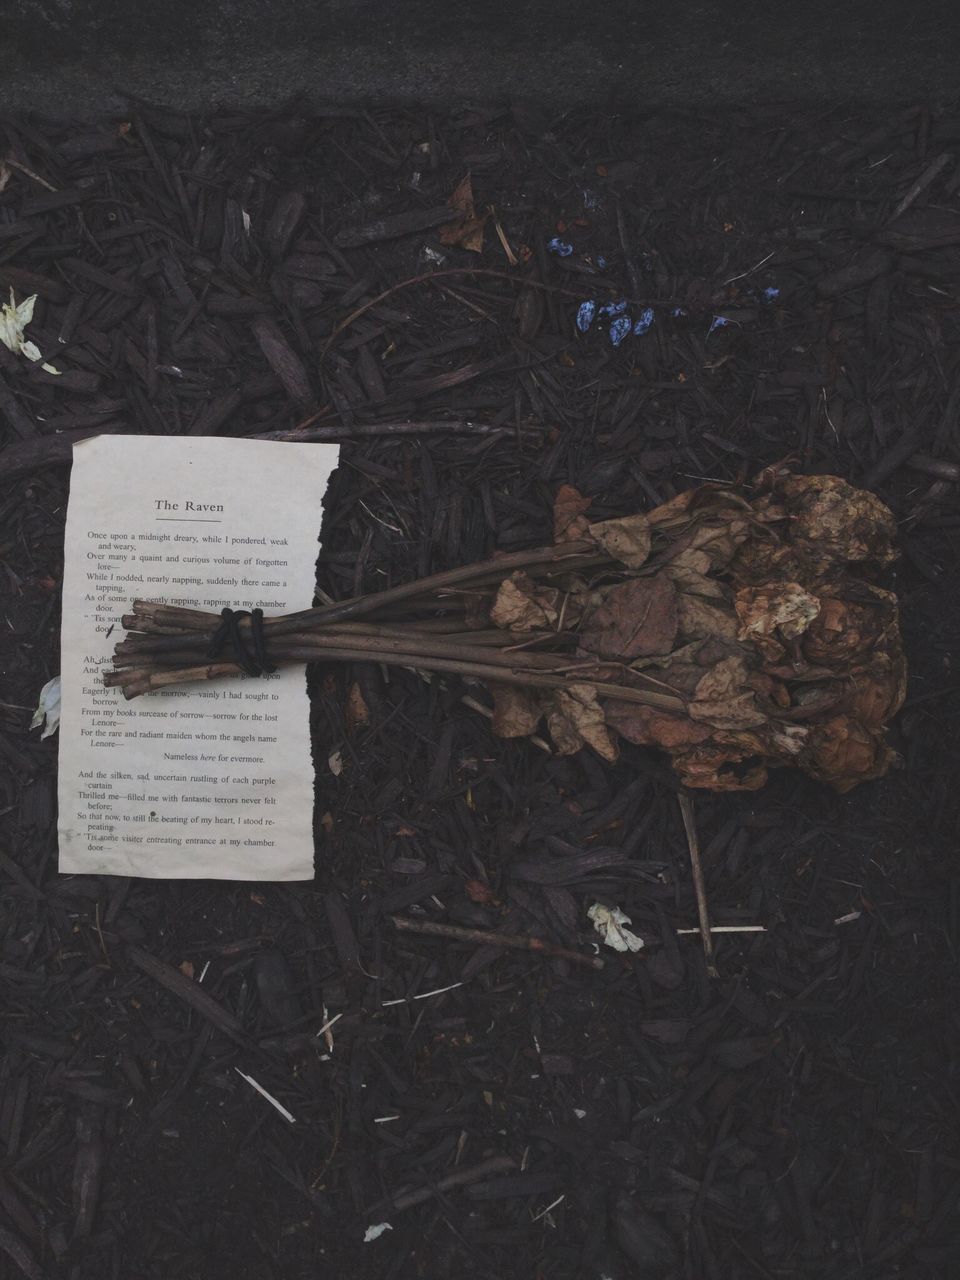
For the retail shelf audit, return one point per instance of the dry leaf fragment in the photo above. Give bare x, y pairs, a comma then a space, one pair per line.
724, 699
774, 612
522, 605
466, 230
701, 619
569, 507
844, 753
626, 539
634, 619
516, 711
574, 717
651, 727
358, 713
720, 768
845, 629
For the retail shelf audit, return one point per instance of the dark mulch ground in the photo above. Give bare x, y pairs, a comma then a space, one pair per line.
797, 1116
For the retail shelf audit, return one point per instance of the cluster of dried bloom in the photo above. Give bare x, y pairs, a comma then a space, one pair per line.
758, 613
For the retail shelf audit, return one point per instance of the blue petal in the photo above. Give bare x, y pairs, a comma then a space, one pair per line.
614, 308
560, 247
645, 321
771, 293
619, 330
601, 261
718, 322
678, 312
585, 315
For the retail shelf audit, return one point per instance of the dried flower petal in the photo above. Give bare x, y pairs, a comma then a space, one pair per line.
516, 711
522, 605
575, 717
626, 539
569, 506
609, 923
844, 753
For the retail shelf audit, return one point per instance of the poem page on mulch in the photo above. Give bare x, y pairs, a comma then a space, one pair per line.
209, 780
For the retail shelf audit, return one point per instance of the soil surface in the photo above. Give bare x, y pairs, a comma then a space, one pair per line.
506, 1113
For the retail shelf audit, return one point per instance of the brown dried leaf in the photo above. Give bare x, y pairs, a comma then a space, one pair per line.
874, 695
842, 752
522, 605
569, 506
358, 713
635, 619
724, 699
846, 629
575, 717
516, 711
650, 727
720, 769
701, 619
466, 231
626, 539
712, 542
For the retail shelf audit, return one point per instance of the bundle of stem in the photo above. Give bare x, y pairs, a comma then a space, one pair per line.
421, 624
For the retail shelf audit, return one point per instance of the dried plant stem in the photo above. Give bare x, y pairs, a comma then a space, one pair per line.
486, 937
699, 888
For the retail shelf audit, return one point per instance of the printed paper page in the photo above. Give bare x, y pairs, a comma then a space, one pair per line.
206, 780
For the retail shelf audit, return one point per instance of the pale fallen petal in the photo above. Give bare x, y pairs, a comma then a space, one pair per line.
14, 318
48, 368
48, 709
24, 309
609, 923
375, 1231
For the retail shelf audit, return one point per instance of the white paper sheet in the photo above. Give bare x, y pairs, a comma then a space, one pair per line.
211, 780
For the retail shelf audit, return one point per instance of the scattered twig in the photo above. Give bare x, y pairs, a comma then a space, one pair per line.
699, 888
188, 991
729, 928
15, 164
423, 995
502, 236
486, 937
263, 1094
460, 1178
932, 170
743, 274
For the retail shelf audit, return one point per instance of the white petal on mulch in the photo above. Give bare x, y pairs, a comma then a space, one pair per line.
48, 709
14, 318
609, 922
375, 1231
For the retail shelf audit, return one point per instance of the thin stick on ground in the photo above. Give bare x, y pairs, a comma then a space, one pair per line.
699, 888
487, 937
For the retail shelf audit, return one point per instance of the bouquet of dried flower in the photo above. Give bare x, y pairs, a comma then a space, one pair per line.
736, 628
